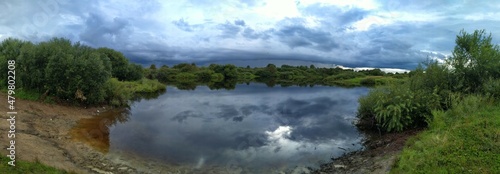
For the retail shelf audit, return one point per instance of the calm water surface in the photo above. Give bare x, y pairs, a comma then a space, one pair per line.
254, 128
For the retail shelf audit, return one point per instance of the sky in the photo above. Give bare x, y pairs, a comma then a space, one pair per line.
364, 33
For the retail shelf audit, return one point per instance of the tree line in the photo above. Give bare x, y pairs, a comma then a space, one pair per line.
67, 71
189, 75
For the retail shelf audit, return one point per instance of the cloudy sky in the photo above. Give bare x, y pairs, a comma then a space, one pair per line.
364, 33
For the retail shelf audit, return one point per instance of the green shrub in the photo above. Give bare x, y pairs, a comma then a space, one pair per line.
184, 77
368, 82
345, 75
492, 88
396, 107
217, 77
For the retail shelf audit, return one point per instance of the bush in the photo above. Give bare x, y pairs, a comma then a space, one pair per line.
184, 77
492, 88
345, 75
396, 107
204, 75
368, 82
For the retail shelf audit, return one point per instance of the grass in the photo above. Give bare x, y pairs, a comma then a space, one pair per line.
361, 81
24, 94
465, 139
119, 92
23, 167
143, 86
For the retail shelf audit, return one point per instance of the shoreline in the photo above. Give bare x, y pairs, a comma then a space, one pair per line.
45, 133
379, 155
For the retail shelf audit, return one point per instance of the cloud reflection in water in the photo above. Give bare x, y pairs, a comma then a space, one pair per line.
253, 126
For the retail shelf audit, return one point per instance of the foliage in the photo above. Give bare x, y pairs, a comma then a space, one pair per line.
368, 82
119, 92
464, 139
185, 77
474, 60
396, 107
345, 75
492, 88
79, 76
73, 73
474, 68
204, 75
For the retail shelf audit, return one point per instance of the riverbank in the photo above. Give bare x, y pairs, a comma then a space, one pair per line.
43, 135
379, 155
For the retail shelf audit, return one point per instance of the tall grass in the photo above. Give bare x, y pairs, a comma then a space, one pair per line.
464, 139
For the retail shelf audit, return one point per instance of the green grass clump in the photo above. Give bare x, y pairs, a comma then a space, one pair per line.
464, 139
364, 81
119, 92
23, 167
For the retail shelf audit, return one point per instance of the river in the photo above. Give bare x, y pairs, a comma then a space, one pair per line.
250, 129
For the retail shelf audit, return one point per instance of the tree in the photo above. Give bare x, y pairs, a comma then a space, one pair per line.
153, 66
230, 72
474, 60
80, 76
119, 63
9, 50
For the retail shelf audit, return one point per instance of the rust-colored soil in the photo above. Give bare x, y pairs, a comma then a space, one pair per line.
43, 133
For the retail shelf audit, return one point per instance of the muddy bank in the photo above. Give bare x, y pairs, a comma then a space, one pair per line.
43, 134
378, 157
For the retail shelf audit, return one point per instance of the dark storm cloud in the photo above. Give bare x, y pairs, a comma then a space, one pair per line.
300, 36
153, 31
185, 26
250, 33
229, 30
99, 32
335, 16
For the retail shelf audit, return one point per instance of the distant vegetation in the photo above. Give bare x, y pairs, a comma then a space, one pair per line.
188, 76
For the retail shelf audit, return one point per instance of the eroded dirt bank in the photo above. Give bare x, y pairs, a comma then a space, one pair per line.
43, 133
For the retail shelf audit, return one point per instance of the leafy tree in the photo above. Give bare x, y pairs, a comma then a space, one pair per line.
153, 66
475, 59
204, 75
134, 72
10, 49
81, 76
230, 72
186, 67
120, 64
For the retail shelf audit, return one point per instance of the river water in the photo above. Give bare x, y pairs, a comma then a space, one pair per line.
252, 129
